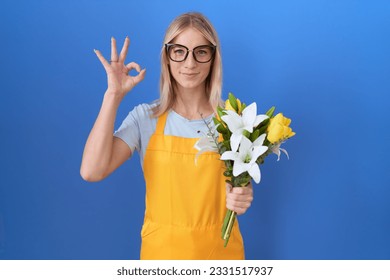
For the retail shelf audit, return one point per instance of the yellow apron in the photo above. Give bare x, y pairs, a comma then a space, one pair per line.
185, 203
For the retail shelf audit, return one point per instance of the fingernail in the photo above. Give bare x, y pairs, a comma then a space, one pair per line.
95, 50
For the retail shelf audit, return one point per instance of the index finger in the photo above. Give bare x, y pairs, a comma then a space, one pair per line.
123, 54
102, 59
242, 190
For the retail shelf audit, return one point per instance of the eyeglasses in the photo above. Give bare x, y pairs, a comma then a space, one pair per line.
179, 53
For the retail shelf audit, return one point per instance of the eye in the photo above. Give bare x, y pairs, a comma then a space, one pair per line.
203, 52
178, 51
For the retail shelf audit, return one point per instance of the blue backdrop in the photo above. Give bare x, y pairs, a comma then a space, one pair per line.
325, 64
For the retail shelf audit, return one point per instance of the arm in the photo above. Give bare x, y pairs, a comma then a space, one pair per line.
103, 152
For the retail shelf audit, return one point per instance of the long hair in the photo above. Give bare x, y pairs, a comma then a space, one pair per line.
214, 79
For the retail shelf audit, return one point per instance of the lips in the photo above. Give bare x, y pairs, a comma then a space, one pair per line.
189, 74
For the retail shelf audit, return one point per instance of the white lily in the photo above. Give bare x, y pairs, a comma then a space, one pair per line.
206, 143
245, 158
276, 150
238, 124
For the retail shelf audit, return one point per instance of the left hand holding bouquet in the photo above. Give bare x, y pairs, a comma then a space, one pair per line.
239, 200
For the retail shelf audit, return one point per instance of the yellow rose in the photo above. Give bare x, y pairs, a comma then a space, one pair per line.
228, 106
279, 129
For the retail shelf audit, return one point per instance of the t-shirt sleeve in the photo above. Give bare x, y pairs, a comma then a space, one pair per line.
130, 129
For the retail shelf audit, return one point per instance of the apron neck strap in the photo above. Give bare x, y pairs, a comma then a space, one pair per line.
161, 123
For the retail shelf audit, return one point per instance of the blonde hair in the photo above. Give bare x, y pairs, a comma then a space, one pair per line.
214, 79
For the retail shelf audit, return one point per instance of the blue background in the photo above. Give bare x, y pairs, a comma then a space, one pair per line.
325, 64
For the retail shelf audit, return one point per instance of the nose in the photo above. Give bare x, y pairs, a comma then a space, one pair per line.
190, 62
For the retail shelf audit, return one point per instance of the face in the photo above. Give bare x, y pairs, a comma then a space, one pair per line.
190, 74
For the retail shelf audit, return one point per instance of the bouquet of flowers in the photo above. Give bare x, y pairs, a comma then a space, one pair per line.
247, 139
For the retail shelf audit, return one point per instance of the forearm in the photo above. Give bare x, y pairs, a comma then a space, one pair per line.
98, 148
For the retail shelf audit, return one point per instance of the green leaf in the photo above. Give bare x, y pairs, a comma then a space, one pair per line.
233, 101
246, 133
270, 112
260, 160
228, 173
226, 137
255, 135
220, 112
243, 181
220, 126
263, 129
228, 164
221, 129
263, 124
221, 148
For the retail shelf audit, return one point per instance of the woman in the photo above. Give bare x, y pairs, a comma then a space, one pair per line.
185, 203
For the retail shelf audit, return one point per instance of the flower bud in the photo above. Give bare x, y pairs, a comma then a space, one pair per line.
278, 129
228, 106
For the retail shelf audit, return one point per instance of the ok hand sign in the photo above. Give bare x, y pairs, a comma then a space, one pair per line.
119, 82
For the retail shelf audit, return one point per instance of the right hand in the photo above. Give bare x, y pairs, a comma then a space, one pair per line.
119, 82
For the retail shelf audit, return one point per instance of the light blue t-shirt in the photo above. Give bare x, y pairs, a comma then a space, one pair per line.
137, 128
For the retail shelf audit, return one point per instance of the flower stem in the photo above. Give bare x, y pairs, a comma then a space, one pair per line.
213, 133
228, 226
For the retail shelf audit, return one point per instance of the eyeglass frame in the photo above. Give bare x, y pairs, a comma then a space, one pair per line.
213, 49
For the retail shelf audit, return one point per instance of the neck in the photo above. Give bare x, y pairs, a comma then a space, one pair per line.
192, 104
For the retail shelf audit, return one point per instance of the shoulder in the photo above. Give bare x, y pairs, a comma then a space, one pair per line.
144, 110
137, 127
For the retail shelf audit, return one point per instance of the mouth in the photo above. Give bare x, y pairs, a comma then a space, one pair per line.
190, 74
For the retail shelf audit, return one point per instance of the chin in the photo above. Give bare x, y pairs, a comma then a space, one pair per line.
189, 85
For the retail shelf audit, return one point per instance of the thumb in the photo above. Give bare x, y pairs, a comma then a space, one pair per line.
229, 188
140, 76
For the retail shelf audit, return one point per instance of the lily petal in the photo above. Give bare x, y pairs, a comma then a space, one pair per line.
260, 140
249, 114
235, 140
285, 152
276, 150
229, 155
233, 121
245, 145
239, 167
260, 119
258, 151
254, 171
205, 142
